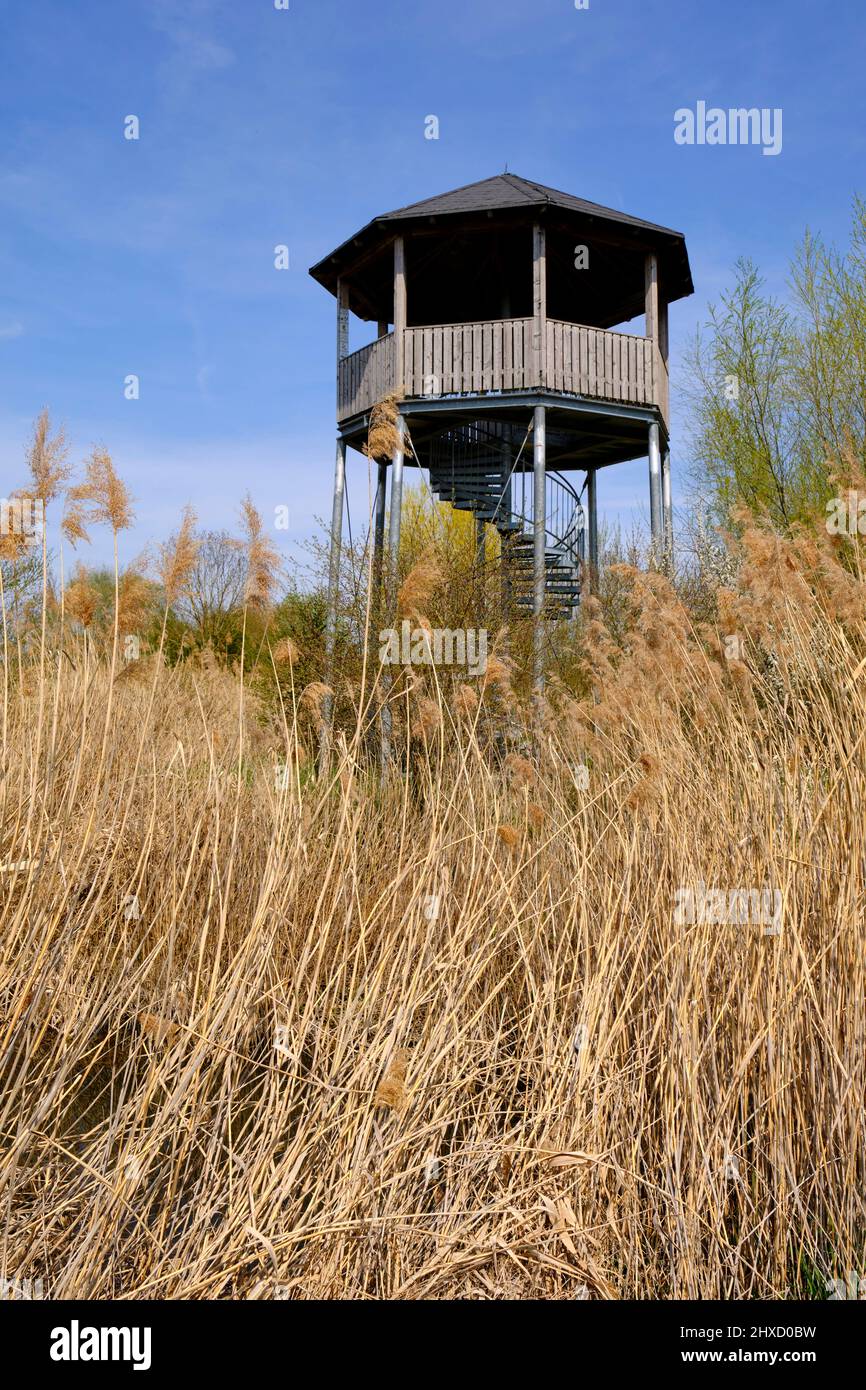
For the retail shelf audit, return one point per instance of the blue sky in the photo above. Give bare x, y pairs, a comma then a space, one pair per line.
261, 126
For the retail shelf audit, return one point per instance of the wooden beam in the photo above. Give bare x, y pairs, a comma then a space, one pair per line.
342, 330
400, 309
539, 304
651, 296
342, 320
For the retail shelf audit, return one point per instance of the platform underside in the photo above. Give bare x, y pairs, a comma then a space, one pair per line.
580, 433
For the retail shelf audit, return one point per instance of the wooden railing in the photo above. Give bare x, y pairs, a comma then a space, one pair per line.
460, 358
453, 359
365, 377
592, 362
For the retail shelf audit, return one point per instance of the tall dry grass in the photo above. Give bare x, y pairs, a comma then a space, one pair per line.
439, 1035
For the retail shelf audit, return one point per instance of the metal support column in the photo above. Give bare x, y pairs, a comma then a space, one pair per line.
539, 567
333, 599
592, 527
379, 536
667, 506
392, 580
655, 490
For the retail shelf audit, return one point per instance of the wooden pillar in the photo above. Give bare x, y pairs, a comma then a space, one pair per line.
342, 331
342, 320
663, 329
539, 565
651, 280
333, 600
382, 328
539, 304
399, 314
592, 528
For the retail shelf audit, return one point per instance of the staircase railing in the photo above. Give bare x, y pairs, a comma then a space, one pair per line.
505, 494
565, 519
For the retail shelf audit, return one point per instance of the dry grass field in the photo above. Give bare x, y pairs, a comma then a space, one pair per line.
442, 1033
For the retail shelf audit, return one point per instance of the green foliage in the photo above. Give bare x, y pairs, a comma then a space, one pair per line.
778, 391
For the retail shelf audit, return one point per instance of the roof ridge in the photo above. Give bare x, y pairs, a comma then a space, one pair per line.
516, 180
530, 183
419, 202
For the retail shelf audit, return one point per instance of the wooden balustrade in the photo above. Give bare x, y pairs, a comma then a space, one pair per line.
454, 359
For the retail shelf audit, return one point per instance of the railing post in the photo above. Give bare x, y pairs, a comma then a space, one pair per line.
539, 566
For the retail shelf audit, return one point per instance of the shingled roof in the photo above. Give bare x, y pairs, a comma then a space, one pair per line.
459, 242
512, 191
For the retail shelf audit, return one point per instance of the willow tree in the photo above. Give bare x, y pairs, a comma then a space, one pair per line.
777, 389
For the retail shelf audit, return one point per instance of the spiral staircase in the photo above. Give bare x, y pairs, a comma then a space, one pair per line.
475, 468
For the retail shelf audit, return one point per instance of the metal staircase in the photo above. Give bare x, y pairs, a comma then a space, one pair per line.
473, 468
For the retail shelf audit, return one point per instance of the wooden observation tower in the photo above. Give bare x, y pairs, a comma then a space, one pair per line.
497, 307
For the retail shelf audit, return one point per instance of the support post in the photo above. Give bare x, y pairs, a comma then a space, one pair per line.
651, 280
651, 287
505, 514
382, 328
655, 490
396, 512
392, 582
342, 331
539, 566
342, 320
333, 600
539, 303
663, 398
667, 506
592, 528
379, 535
399, 314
